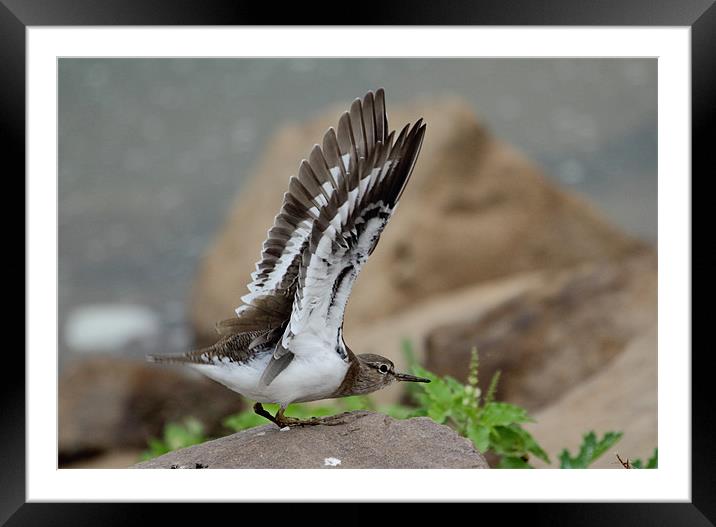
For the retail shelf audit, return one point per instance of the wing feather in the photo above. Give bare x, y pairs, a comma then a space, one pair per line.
325, 174
347, 232
329, 223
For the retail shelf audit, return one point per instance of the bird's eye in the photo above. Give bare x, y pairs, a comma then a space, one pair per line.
383, 368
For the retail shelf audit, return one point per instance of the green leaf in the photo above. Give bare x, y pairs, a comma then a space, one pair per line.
156, 444
507, 441
176, 435
420, 392
513, 462
157, 447
589, 451
533, 447
609, 440
452, 384
184, 434
480, 437
515, 441
439, 414
565, 461
652, 462
503, 414
439, 393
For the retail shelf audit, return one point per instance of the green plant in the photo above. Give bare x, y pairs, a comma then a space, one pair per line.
490, 425
589, 451
652, 462
176, 435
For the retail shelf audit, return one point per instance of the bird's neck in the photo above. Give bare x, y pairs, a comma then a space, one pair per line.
347, 385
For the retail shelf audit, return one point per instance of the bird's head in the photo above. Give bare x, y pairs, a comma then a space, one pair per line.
376, 372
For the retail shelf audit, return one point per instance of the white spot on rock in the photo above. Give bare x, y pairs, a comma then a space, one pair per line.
331, 462
285, 429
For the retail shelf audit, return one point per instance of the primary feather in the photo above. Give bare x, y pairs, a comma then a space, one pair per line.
340, 203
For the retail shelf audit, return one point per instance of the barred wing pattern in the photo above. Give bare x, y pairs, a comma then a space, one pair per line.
346, 233
329, 223
271, 292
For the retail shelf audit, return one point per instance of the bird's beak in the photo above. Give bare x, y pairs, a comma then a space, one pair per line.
410, 378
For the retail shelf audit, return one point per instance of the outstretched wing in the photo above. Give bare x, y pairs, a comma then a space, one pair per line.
272, 289
370, 171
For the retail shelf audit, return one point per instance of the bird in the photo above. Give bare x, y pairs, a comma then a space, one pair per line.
285, 345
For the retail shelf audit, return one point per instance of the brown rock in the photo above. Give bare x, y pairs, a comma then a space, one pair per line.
620, 398
475, 210
108, 403
387, 337
555, 334
363, 440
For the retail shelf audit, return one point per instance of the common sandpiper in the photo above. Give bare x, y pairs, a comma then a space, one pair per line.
286, 344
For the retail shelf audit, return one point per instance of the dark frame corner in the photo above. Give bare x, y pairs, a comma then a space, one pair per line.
700, 15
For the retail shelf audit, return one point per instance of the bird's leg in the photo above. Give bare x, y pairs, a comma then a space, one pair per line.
259, 409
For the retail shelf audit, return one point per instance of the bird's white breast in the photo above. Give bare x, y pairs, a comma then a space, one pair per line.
309, 376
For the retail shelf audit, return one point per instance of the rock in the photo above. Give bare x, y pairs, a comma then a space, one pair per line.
108, 403
387, 337
620, 398
363, 440
555, 334
475, 210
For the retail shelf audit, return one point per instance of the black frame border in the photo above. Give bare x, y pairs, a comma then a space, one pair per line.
699, 15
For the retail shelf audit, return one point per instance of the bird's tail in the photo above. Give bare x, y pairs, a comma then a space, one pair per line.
191, 357
167, 359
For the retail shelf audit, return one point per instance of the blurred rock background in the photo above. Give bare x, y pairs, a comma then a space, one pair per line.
529, 229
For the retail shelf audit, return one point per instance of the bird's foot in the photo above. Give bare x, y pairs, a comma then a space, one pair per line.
283, 421
291, 422
313, 421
